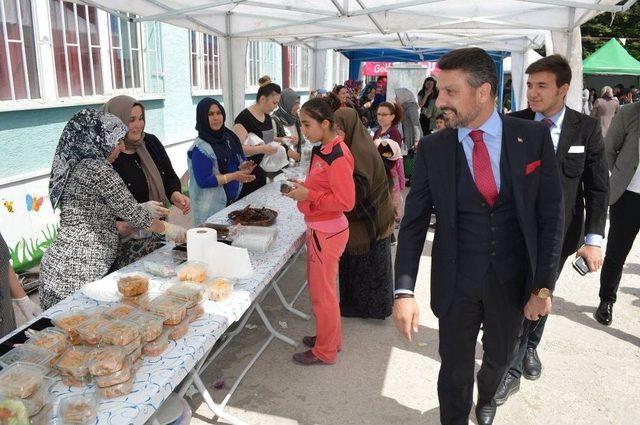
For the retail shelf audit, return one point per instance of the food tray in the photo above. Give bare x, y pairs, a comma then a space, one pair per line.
157, 346
132, 285
255, 238
159, 269
52, 339
253, 216
90, 332
69, 322
150, 324
120, 311
218, 289
38, 399
22, 380
171, 308
115, 378
179, 330
28, 353
74, 362
191, 293
78, 409
106, 360
192, 271
120, 332
118, 390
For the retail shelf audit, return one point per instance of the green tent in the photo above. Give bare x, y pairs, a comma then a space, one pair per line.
611, 59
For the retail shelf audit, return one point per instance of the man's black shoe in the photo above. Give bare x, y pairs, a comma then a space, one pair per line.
509, 385
486, 413
604, 313
532, 367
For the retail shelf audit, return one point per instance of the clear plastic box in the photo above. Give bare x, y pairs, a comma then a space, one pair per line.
22, 380
106, 359
78, 409
192, 271
115, 378
120, 332
120, 311
132, 285
171, 308
179, 330
195, 312
218, 289
159, 269
14, 410
75, 362
157, 346
52, 339
150, 324
118, 390
135, 354
192, 293
255, 238
39, 398
90, 332
72, 381
69, 322
28, 353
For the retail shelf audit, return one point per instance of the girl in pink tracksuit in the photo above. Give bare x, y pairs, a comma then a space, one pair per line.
326, 194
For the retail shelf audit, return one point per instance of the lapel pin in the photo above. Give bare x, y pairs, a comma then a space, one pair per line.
519, 139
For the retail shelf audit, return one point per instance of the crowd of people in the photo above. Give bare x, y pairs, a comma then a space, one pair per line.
516, 196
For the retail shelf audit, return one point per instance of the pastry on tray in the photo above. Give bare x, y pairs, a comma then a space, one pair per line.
253, 216
218, 289
133, 285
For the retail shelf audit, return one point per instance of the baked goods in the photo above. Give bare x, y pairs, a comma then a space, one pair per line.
117, 390
78, 408
22, 380
120, 310
120, 332
13, 412
69, 322
133, 285
171, 308
218, 289
51, 339
195, 312
105, 360
187, 291
179, 330
156, 347
159, 269
253, 216
90, 332
74, 362
73, 381
135, 354
28, 353
192, 271
115, 378
150, 324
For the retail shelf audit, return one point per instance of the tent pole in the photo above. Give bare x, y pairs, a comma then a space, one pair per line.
231, 113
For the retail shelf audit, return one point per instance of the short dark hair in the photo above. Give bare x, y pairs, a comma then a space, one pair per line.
440, 117
555, 64
475, 62
318, 109
267, 90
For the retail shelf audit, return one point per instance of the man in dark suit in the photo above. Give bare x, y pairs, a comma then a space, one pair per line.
577, 140
495, 184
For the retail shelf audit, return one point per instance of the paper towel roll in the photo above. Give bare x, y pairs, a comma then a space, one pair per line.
200, 242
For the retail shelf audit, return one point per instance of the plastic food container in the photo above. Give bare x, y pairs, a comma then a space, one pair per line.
194, 313
190, 292
78, 409
28, 353
118, 390
51, 339
115, 378
120, 332
132, 285
218, 289
157, 346
90, 332
106, 360
193, 271
135, 354
74, 362
255, 238
38, 399
69, 322
22, 380
73, 381
13, 411
171, 308
158, 269
150, 324
120, 311
179, 330
132, 346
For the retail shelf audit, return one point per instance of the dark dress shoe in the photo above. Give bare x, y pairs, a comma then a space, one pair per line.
532, 367
307, 358
486, 413
509, 385
309, 341
604, 313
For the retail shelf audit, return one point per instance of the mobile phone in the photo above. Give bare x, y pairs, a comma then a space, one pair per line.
21, 337
285, 188
580, 266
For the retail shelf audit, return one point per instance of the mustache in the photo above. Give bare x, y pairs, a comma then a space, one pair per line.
449, 108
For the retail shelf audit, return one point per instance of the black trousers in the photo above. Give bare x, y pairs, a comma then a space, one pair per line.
624, 224
496, 307
424, 123
532, 335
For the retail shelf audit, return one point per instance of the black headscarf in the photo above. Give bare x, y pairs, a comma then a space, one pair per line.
224, 142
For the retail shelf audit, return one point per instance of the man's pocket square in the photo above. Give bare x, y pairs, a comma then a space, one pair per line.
576, 149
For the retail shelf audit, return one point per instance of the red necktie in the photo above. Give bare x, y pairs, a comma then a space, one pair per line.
547, 122
482, 170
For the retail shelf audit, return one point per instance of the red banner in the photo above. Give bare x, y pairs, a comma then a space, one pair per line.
377, 69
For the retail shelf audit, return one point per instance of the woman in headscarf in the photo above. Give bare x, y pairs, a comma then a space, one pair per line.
366, 281
146, 169
410, 118
91, 196
288, 124
366, 111
217, 165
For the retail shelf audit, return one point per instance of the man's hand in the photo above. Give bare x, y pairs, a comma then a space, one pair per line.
592, 255
406, 315
537, 307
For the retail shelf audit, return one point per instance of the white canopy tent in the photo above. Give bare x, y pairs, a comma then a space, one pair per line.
515, 26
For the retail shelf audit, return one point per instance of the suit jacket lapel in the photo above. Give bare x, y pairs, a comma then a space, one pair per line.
567, 133
515, 150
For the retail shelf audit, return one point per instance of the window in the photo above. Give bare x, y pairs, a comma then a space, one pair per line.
299, 67
262, 59
205, 62
76, 47
126, 61
154, 77
18, 60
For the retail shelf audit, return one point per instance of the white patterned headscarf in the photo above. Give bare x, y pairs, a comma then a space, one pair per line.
89, 134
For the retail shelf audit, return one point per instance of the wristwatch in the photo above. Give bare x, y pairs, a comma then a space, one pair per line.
402, 295
543, 293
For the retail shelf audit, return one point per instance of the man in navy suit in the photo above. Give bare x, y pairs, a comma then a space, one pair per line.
496, 186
